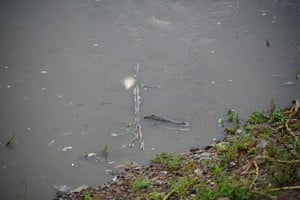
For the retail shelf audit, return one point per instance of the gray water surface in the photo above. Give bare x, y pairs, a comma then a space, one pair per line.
62, 63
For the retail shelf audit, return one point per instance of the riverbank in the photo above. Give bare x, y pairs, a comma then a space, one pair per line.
257, 159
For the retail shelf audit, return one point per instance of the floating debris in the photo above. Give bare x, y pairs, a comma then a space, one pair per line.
67, 133
51, 143
151, 86
82, 187
178, 129
129, 82
60, 97
289, 83
241, 34
62, 189
8, 86
10, 141
67, 148
159, 21
44, 72
165, 120
92, 157
105, 103
279, 76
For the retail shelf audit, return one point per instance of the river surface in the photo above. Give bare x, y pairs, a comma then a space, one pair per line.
62, 63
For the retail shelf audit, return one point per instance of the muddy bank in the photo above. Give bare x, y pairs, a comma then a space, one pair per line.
257, 159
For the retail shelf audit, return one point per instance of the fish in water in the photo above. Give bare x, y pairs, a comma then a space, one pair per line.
165, 120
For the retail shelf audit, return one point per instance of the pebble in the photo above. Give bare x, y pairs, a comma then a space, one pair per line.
198, 172
194, 149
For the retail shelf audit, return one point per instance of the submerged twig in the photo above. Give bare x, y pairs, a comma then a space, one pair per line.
297, 187
256, 172
10, 141
137, 103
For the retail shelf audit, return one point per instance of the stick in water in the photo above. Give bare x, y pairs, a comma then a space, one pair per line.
137, 102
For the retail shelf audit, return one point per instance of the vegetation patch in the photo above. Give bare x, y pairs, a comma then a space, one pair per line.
258, 159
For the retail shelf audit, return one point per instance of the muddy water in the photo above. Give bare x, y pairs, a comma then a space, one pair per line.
62, 63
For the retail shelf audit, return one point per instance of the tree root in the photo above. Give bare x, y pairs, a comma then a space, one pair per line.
297, 187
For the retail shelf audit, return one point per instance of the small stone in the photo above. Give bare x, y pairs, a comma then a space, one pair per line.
194, 149
298, 173
198, 172
82, 187
262, 143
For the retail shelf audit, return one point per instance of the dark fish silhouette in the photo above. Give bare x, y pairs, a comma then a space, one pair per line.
165, 120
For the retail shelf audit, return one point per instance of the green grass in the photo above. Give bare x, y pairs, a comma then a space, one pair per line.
257, 117
105, 151
141, 184
87, 197
170, 161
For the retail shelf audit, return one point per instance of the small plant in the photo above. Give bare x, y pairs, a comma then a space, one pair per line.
239, 145
182, 185
141, 184
277, 116
217, 170
257, 117
87, 196
170, 161
105, 151
156, 196
230, 115
228, 188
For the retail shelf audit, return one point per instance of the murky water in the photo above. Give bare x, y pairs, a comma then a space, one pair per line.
62, 63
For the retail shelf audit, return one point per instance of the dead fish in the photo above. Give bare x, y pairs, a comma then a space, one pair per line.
165, 120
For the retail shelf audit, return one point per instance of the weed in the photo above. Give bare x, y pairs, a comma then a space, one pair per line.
230, 115
281, 174
277, 116
156, 196
105, 151
221, 121
141, 184
217, 170
87, 196
257, 117
296, 148
168, 160
272, 150
182, 185
228, 188
239, 145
